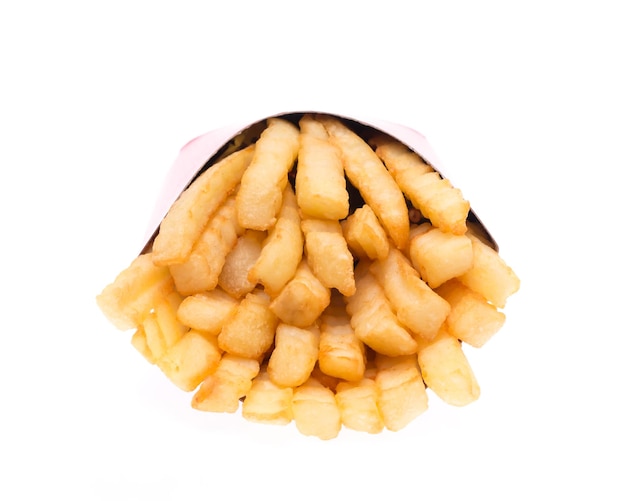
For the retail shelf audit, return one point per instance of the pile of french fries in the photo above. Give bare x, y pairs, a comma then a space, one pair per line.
320, 275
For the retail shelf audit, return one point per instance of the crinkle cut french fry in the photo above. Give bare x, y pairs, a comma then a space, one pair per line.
315, 410
282, 249
234, 277
358, 405
368, 174
201, 271
364, 234
434, 196
130, 297
260, 195
294, 355
249, 332
372, 317
446, 370
267, 402
320, 180
328, 255
188, 216
417, 306
207, 311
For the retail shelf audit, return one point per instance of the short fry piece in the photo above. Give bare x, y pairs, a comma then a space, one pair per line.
188, 216
249, 332
369, 175
267, 402
489, 275
260, 195
190, 360
128, 299
140, 343
201, 271
446, 371
417, 306
320, 180
282, 249
401, 392
439, 256
434, 196
207, 311
231, 381
358, 406
472, 319
315, 410
364, 234
302, 300
294, 355
328, 255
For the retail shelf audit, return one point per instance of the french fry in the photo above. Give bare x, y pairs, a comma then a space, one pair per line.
207, 311
260, 195
341, 353
315, 410
368, 174
249, 332
140, 343
328, 255
129, 298
267, 402
434, 196
416, 305
439, 256
201, 271
489, 275
401, 392
294, 355
320, 181
358, 407
234, 277
302, 300
190, 360
364, 234
373, 320
188, 216
222, 390
472, 319
282, 249
446, 370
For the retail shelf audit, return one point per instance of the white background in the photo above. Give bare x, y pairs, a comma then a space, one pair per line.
524, 104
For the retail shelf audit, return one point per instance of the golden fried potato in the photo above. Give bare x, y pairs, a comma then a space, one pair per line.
249, 331
140, 343
320, 180
189, 215
364, 234
315, 410
207, 311
130, 297
369, 175
260, 195
328, 255
446, 370
489, 275
373, 319
358, 405
282, 249
342, 353
267, 402
201, 271
302, 300
401, 392
294, 355
439, 256
190, 360
234, 277
472, 319
435, 197
416, 305
222, 390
